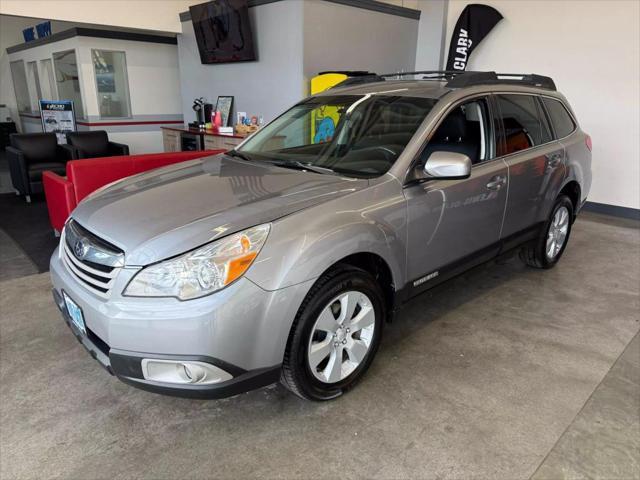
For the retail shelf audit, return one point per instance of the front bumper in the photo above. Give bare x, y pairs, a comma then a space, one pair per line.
242, 329
127, 367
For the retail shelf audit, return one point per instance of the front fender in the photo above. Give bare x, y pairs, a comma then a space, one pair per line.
302, 246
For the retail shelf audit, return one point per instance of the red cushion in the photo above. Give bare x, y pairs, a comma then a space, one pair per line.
86, 176
89, 175
157, 160
60, 198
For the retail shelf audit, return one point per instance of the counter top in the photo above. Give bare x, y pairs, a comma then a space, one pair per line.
195, 131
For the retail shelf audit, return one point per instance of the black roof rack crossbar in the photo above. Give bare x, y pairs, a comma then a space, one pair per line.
369, 77
457, 78
469, 79
426, 73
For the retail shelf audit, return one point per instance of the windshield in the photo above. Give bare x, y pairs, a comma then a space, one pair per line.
359, 135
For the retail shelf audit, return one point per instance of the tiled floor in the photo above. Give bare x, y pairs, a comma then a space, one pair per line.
505, 372
14, 263
607, 429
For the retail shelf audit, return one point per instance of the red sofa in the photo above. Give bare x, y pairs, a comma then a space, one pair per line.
86, 176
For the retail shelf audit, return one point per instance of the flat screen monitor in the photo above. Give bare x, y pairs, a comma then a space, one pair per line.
223, 31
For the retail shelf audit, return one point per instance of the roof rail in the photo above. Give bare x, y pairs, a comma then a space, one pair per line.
469, 79
458, 79
427, 74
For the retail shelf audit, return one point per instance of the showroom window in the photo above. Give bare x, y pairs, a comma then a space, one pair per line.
523, 124
562, 121
112, 83
34, 85
68, 80
19, 77
48, 80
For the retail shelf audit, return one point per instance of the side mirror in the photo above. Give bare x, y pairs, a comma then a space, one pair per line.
446, 166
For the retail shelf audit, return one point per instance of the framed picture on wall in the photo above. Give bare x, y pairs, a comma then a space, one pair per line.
224, 105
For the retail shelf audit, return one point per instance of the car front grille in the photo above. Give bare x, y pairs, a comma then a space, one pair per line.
91, 260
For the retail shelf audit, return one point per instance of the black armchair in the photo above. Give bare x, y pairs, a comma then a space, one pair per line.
95, 144
29, 155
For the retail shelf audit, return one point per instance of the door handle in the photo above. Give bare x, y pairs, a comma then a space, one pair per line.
554, 160
496, 182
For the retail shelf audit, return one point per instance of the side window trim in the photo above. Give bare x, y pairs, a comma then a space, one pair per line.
497, 130
545, 120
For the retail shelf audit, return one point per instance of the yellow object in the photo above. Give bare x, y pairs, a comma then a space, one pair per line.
323, 82
325, 119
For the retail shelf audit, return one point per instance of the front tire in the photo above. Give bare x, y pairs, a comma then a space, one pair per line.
547, 249
335, 334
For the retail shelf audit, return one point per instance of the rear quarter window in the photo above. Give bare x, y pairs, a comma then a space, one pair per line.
562, 122
523, 121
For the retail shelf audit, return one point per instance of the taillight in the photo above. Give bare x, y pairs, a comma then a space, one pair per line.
587, 141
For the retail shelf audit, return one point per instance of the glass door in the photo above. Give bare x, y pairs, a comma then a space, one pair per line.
68, 80
34, 85
48, 80
19, 77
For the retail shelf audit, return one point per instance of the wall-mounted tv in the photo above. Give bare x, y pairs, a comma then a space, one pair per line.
223, 31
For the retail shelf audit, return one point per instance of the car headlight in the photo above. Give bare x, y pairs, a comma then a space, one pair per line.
201, 271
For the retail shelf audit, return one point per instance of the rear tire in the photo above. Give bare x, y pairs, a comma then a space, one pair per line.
335, 334
546, 250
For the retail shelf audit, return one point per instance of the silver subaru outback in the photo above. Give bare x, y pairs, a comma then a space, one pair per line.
283, 259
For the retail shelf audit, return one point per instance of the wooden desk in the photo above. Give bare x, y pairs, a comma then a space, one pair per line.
172, 139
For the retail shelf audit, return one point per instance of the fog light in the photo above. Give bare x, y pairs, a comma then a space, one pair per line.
182, 372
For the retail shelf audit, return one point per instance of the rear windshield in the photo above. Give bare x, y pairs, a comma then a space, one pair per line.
358, 135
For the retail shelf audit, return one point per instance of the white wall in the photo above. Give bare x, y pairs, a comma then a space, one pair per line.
592, 51
431, 35
152, 68
382, 43
265, 87
159, 15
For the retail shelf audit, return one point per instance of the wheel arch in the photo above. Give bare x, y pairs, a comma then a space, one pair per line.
377, 266
572, 190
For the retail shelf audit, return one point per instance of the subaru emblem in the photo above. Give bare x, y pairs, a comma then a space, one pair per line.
80, 249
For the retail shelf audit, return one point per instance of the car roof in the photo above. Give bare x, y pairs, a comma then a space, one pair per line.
409, 88
437, 87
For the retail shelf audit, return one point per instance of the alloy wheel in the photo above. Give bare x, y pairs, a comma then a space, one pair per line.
557, 232
341, 337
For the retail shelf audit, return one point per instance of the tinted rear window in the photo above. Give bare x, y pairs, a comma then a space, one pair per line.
523, 124
562, 121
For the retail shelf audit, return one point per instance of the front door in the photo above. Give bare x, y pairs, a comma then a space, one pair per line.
456, 223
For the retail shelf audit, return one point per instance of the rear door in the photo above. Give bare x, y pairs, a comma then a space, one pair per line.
535, 161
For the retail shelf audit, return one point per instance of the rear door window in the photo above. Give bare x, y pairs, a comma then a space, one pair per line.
563, 124
523, 122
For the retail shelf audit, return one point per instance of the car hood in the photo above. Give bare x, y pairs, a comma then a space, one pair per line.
168, 211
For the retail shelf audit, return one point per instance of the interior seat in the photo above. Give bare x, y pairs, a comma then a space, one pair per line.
453, 136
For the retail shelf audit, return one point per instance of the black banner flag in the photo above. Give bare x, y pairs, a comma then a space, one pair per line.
475, 22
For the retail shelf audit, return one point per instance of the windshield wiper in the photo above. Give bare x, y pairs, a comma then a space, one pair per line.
237, 154
297, 165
